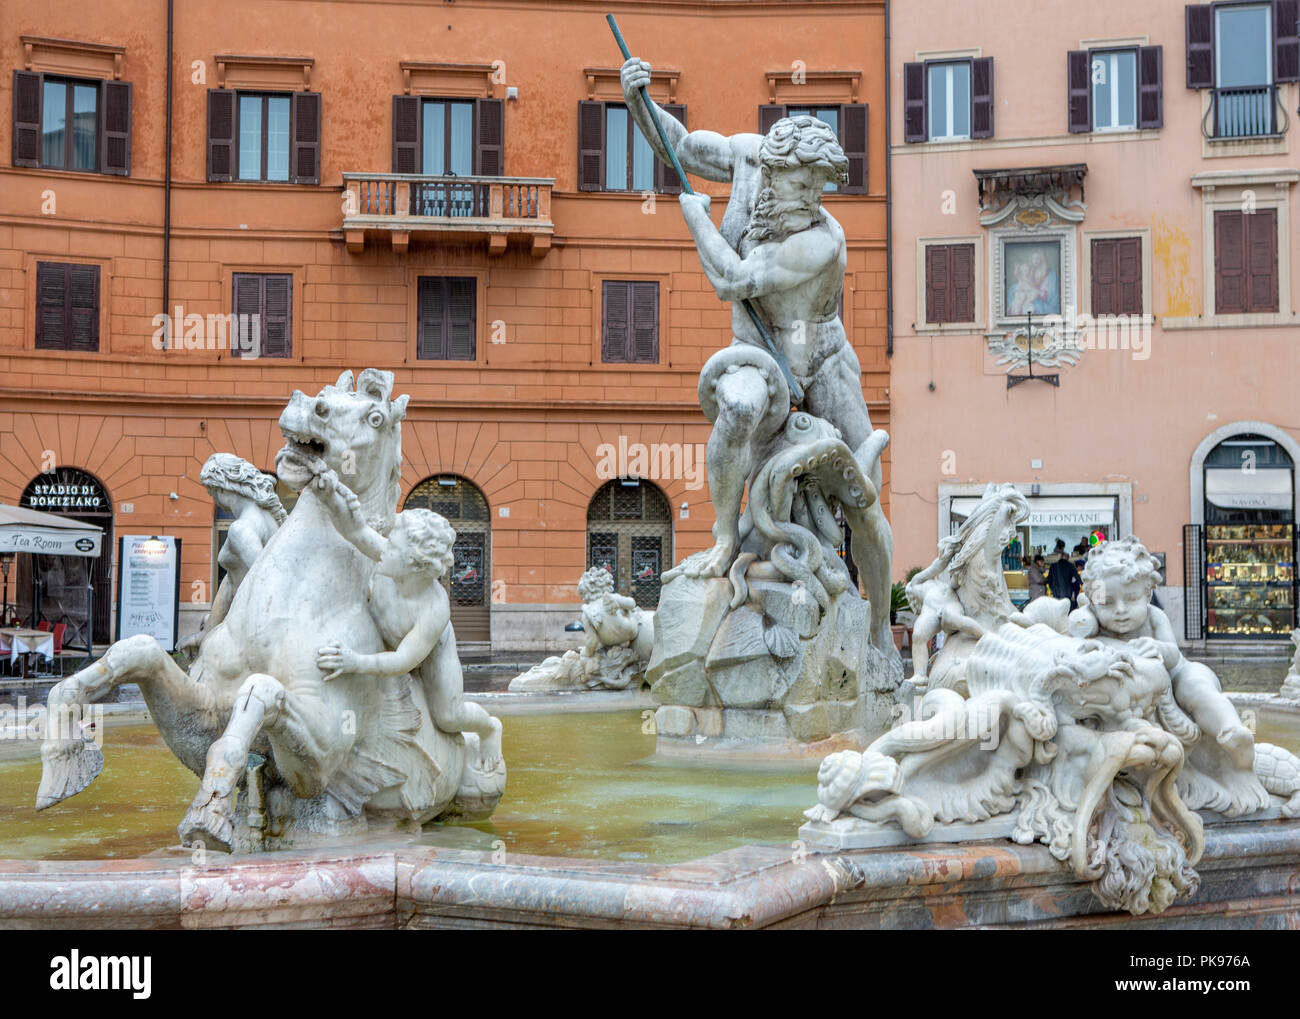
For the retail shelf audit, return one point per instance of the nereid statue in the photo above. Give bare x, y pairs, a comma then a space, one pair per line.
618, 642
299, 712
1089, 732
767, 625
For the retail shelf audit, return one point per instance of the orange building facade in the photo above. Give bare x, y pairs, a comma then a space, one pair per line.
545, 310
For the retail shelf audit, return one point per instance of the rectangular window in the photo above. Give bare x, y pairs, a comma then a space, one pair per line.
449, 138
263, 307
1114, 90
1116, 275
66, 124
1245, 262
629, 322
948, 100
255, 136
1244, 99
447, 309
263, 137
613, 155
67, 306
948, 93
949, 283
629, 160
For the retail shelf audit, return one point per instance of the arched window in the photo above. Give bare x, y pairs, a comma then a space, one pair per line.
1250, 540
61, 580
470, 579
630, 533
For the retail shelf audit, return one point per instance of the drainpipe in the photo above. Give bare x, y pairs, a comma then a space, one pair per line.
167, 195
889, 201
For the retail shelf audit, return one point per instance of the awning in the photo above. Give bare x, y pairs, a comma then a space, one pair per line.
1268, 488
24, 530
1055, 510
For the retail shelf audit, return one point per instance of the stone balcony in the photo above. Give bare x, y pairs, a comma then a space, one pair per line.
397, 206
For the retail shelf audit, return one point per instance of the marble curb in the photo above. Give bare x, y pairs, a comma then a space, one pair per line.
548, 702
1247, 881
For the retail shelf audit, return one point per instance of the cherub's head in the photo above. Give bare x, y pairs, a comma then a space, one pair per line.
420, 541
595, 582
225, 475
1022, 273
1118, 579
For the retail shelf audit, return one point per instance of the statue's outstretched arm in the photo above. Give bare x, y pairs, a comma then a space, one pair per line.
344, 509
706, 154
769, 268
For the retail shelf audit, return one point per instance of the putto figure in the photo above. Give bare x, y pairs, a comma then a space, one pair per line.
780, 249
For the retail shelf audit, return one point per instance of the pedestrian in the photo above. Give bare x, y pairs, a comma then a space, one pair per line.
1063, 578
1037, 580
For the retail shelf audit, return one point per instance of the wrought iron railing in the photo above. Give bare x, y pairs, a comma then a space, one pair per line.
1245, 112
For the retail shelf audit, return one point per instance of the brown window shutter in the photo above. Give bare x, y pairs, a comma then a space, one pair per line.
247, 288
645, 322
277, 315
961, 306
83, 307
1286, 44
51, 306
408, 154
1229, 262
614, 325
591, 146
1150, 98
1128, 276
489, 137
461, 300
769, 114
431, 345
1103, 276
115, 142
914, 128
221, 134
853, 137
666, 181
981, 97
1199, 25
304, 150
937, 279
27, 118
1078, 66
1261, 260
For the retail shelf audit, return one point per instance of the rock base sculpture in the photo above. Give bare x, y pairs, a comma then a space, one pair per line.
1089, 733
616, 651
301, 713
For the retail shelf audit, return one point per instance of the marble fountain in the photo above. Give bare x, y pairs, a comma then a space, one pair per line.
1047, 768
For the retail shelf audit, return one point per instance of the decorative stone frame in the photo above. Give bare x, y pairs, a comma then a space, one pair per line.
1224, 189
1196, 471
596, 281
998, 239
482, 325
106, 287
922, 326
455, 81
72, 58
263, 74
1123, 490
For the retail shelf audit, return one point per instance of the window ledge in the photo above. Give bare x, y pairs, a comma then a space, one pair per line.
1085, 138
948, 329
1255, 321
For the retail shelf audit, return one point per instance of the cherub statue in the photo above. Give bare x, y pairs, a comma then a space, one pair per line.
1291, 685
249, 496
412, 611
1118, 580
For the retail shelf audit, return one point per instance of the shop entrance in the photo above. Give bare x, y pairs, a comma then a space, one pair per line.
469, 582
1249, 578
630, 534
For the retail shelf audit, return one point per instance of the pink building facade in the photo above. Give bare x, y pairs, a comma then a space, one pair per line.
1113, 185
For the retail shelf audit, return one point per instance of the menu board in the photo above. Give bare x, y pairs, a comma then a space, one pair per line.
148, 587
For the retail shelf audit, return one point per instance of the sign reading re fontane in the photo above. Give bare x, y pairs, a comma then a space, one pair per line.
148, 587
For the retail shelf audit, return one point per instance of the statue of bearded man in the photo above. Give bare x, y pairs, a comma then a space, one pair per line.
780, 249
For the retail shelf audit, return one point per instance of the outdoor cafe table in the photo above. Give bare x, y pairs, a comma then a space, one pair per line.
19, 643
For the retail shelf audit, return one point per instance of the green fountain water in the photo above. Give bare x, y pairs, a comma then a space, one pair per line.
580, 785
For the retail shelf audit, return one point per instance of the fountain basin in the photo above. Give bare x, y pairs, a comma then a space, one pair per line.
592, 832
